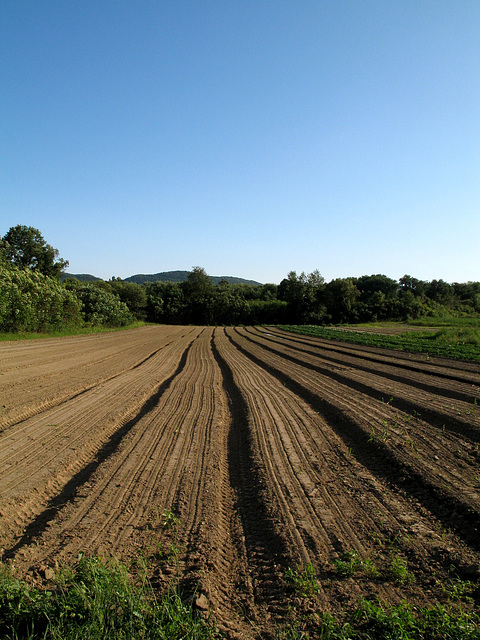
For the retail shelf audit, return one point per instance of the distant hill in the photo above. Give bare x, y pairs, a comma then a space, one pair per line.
83, 277
164, 276
181, 276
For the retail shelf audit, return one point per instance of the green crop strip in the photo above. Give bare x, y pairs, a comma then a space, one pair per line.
441, 343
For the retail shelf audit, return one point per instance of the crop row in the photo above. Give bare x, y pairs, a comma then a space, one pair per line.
407, 342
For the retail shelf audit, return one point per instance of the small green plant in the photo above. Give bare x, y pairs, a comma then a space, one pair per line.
169, 519
303, 581
473, 411
398, 570
457, 589
352, 564
348, 565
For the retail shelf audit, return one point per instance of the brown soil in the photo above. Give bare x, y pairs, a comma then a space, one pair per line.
273, 450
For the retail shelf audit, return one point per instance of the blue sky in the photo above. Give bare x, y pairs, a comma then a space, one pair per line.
249, 137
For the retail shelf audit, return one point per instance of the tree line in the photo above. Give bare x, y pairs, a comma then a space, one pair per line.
33, 298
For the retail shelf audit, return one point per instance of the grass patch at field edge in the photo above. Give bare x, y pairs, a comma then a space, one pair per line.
99, 600
78, 331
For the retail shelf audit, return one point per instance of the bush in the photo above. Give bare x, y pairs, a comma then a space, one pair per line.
31, 301
101, 307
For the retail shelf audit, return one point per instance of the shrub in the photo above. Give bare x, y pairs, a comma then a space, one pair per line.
31, 301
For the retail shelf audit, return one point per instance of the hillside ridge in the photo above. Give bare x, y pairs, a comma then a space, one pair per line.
164, 276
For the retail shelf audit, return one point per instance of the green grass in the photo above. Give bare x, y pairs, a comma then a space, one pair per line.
73, 331
95, 600
372, 620
351, 564
99, 600
460, 342
303, 581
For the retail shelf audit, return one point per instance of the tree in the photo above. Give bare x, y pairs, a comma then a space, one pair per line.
341, 297
132, 294
303, 295
409, 283
26, 248
100, 306
199, 297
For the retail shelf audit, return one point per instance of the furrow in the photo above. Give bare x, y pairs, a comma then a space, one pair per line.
465, 391
399, 395
31, 396
399, 467
88, 424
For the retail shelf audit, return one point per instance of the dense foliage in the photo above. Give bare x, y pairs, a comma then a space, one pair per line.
32, 298
307, 299
26, 248
31, 301
95, 600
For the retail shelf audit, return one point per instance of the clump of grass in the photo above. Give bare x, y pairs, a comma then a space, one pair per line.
399, 571
303, 581
459, 335
352, 564
95, 600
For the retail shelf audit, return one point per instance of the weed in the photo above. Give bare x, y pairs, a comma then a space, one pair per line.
373, 620
404, 622
169, 519
458, 590
398, 570
348, 565
303, 581
352, 564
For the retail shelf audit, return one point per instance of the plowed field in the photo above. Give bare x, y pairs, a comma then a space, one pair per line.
223, 457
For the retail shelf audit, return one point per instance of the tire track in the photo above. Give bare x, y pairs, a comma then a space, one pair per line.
266, 550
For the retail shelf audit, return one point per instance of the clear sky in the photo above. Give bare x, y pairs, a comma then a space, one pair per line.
248, 137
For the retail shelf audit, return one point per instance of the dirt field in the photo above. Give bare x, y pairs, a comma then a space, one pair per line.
273, 450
